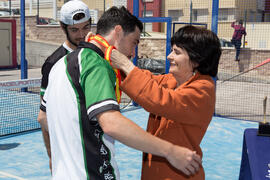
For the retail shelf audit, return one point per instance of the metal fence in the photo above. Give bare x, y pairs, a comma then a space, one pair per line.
240, 97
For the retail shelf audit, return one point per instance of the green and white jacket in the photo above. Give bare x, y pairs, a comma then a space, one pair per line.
81, 85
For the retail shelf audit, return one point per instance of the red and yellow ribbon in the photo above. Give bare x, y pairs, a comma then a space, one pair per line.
100, 40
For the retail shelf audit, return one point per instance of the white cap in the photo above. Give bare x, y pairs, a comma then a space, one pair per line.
72, 8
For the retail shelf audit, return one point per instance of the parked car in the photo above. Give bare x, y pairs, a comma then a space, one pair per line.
47, 21
53, 22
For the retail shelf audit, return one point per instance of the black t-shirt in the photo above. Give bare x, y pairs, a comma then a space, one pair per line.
48, 64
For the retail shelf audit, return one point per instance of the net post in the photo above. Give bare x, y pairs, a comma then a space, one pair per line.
23, 64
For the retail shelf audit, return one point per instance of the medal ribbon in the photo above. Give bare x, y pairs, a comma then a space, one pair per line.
107, 56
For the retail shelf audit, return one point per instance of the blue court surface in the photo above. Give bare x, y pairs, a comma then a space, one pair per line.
24, 156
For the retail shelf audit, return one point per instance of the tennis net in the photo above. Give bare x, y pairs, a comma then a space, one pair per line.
19, 106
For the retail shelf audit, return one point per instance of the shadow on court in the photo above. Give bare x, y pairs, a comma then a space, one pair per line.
9, 146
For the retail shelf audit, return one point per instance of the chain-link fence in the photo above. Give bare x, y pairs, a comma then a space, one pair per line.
240, 97
248, 20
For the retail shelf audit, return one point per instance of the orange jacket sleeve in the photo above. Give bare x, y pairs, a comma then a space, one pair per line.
178, 104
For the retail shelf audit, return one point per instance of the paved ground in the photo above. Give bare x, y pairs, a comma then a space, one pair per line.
238, 100
24, 157
15, 74
242, 100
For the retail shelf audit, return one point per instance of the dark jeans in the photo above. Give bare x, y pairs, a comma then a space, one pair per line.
237, 45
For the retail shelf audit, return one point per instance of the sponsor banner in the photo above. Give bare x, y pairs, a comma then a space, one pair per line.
20, 83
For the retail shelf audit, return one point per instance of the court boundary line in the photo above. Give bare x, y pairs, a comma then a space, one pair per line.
11, 176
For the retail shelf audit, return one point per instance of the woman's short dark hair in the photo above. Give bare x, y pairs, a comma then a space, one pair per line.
202, 46
118, 16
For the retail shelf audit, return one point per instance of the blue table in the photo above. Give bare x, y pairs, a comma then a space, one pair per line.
255, 164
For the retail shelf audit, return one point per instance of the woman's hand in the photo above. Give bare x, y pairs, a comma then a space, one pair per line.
120, 61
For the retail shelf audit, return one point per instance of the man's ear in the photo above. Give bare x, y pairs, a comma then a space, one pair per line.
118, 32
64, 27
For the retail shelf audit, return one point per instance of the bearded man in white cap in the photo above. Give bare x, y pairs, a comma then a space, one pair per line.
75, 21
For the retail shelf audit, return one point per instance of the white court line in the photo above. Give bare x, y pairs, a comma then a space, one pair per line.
10, 175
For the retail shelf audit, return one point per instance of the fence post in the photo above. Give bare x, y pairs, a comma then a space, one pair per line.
214, 25
136, 13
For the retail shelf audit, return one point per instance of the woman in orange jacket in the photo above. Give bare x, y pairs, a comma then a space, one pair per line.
181, 103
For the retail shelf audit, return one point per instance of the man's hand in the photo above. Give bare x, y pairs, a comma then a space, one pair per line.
86, 39
89, 34
42, 119
184, 159
50, 164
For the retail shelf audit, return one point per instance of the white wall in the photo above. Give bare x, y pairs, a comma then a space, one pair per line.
258, 35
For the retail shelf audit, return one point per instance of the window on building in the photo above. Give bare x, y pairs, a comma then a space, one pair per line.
267, 17
223, 14
226, 14
148, 26
261, 4
200, 15
176, 15
252, 16
148, 13
4, 4
195, 15
259, 16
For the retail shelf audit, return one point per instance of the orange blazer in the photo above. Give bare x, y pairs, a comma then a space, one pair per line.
179, 115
